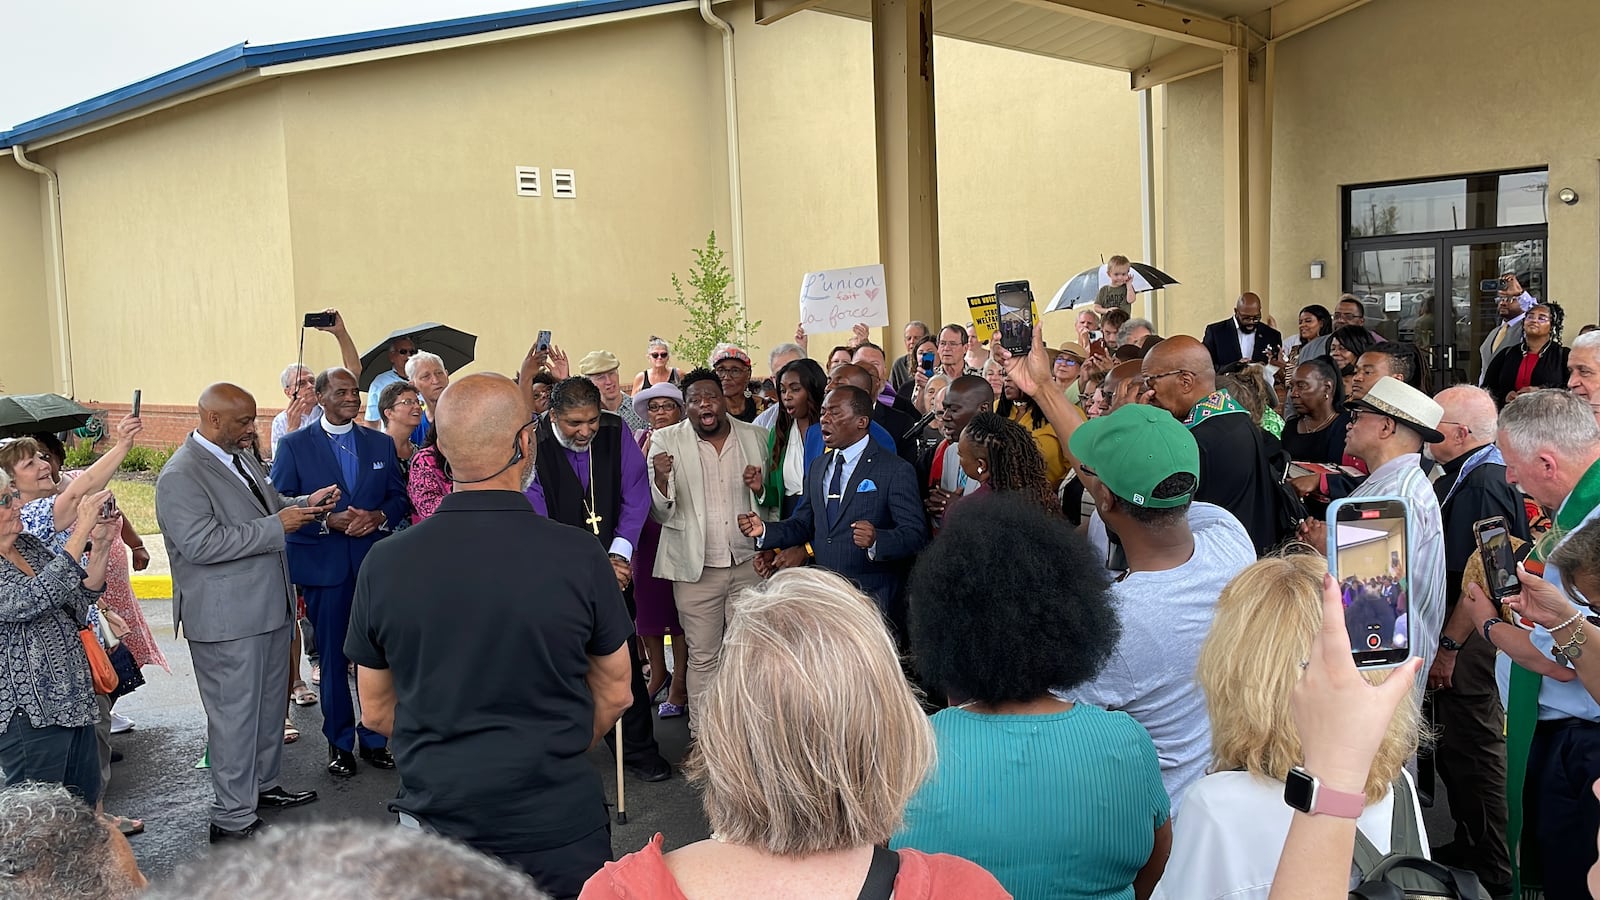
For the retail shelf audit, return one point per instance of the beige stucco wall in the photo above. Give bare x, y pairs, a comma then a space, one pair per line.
25, 290
1427, 96
198, 236
401, 187
177, 250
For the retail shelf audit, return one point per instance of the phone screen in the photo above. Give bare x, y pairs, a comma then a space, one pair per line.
1371, 564
927, 364
1015, 303
1499, 563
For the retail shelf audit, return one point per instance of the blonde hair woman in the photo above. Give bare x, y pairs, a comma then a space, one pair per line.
1234, 821
810, 743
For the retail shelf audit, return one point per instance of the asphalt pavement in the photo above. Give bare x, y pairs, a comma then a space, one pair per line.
157, 781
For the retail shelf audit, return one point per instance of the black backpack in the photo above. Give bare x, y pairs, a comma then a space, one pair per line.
1404, 873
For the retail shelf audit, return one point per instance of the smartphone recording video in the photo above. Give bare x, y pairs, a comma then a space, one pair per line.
1369, 556
1015, 302
1499, 561
318, 320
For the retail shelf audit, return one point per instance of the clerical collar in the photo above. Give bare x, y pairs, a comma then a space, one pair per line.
331, 428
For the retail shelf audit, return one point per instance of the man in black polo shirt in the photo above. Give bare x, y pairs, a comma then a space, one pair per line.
591, 475
1234, 474
495, 665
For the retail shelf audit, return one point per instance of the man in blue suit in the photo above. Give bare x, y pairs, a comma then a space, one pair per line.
861, 513
325, 560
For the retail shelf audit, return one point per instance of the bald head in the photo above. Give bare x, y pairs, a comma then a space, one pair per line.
227, 416
851, 374
1180, 373
1469, 421
1122, 385
1247, 311
481, 421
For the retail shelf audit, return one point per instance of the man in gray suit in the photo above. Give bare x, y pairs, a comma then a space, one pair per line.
1512, 304
224, 526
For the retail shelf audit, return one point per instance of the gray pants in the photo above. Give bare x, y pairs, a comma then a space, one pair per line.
243, 684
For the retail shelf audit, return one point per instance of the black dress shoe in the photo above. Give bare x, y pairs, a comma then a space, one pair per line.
656, 769
243, 834
341, 762
278, 798
379, 757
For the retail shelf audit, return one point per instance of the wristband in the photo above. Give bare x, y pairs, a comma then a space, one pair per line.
810, 554
1305, 792
1446, 642
1489, 623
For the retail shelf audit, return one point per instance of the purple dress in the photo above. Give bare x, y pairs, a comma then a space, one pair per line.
652, 596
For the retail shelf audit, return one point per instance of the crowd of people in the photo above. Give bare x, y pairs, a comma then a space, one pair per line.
1047, 624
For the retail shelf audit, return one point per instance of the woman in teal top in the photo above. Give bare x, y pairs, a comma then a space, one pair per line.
1056, 800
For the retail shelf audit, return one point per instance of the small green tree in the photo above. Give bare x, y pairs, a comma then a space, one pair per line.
714, 315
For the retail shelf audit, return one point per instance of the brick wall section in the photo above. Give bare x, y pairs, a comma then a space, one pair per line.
167, 426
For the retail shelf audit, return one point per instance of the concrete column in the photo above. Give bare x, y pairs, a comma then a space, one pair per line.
1246, 172
1236, 207
908, 184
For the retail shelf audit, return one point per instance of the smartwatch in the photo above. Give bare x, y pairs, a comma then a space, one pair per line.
1302, 791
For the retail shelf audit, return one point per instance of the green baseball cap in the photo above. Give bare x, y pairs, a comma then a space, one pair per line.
1136, 448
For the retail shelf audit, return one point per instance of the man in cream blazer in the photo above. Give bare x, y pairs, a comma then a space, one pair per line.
706, 470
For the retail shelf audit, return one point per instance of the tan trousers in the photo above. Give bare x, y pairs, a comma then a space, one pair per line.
703, 613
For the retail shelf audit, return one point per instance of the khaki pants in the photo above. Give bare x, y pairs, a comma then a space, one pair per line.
703, 613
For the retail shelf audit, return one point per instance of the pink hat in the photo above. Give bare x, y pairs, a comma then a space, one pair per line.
729, 351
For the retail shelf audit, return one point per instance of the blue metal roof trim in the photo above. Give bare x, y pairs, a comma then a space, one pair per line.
242, 57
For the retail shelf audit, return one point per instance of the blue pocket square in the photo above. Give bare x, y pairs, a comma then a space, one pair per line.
865, 485
377, 465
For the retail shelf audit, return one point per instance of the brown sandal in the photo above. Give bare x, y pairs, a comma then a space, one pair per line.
290, 733
303, 695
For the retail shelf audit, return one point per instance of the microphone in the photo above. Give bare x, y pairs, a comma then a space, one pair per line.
916, 430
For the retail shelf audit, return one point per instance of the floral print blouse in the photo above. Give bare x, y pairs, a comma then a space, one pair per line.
44, 673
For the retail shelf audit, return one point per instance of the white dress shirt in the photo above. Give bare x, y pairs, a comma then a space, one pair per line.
1247, 342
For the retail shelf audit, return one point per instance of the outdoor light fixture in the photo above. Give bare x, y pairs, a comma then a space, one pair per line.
1567, 196
1316, 269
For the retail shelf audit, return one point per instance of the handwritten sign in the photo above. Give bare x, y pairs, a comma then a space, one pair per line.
836, 299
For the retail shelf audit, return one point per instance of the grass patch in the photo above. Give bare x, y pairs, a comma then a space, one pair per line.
137, 499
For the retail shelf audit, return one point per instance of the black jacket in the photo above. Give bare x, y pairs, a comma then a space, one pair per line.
1222, 339
1549, 372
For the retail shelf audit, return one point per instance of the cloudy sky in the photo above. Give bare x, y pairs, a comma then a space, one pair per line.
57, 53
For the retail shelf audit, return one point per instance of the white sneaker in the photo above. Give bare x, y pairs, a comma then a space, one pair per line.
120, 723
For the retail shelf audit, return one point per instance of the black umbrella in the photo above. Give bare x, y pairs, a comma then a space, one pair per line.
22, 414
453, 345
1084, 286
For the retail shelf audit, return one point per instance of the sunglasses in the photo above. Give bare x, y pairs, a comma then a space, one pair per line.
661, 406
658, 355
411, 352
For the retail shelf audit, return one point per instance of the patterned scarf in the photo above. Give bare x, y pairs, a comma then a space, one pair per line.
1522, 707
1218, 403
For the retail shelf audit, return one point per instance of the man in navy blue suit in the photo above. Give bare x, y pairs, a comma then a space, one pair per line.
861, 513
325, 560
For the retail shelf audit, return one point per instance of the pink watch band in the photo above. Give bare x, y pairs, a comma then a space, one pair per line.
1330, 802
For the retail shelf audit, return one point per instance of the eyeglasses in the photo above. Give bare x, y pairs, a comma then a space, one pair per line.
659, 355
1357, 412
410, 401
951, 345
1243, 319
1464, 426
661, 406
1541, 317
730, 371
1150, 380
1066, 361
10, 499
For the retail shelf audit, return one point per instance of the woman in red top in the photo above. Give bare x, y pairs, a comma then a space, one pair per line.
1540, 361
810, 744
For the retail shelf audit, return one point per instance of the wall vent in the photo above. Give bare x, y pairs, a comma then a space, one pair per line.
563, 184
527, 181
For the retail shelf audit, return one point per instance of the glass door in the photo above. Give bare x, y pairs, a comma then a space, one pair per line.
1473, 307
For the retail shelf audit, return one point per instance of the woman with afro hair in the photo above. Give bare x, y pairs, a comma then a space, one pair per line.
1055, 799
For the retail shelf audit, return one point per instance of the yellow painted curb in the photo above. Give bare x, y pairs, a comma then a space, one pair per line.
152, 587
